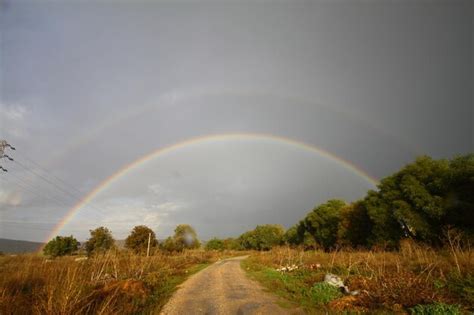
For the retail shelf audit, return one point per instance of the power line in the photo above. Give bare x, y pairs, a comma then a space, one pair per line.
45, 179
23, 183
48, 177
49, 173
24, 186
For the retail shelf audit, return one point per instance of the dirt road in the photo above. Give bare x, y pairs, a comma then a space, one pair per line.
223, 288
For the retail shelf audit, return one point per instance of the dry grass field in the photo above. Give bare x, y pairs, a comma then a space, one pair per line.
415, 279
117, 282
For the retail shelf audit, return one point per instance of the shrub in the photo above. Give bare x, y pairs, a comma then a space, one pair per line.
169, 245
215, 244
61, 246
185, 237
435, 309
463, 286
322, 223
323, 293
101, 240
138, 239
263, 237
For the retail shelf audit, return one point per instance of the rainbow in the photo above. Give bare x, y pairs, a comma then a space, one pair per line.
197, 140
176, 96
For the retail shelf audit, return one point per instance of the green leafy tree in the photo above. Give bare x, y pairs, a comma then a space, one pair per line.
386, 230
138, 239
291, 236
459, 195
101, 240
298, 236
263, 237
231, 243
215, 244
248, 240
185, 237
169, 245
322, 223
61, 246
355, 226
421, 200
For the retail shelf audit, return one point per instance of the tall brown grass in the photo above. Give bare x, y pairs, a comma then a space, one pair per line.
111, 283
393, 280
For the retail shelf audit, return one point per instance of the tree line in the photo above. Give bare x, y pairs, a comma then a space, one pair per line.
420, 202
140, 240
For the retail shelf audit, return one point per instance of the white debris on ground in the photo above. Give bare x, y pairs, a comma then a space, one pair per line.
293, 267
314, 266
80, 259
287, 268
336, 281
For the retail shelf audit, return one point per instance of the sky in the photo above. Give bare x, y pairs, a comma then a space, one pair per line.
319, 96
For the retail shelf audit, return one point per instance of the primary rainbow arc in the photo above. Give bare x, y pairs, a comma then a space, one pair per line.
219, 137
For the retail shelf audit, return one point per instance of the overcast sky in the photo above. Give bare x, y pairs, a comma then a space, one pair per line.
88, 87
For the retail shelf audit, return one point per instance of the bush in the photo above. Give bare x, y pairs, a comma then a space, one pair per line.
323, 293
101, 240
435, 309
463, 286
169, 245
185, 237
263, 237
215, 244
322, 223
138, 239
61, 246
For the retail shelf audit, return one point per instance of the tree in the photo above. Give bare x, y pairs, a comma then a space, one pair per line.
215, 244
231, 243
291, 236
101, 240
459, 196
138, 239
386, 231
169, 245
263, 237
323, 221
355, 225
61, 246
421, 200
185, 237
298, 236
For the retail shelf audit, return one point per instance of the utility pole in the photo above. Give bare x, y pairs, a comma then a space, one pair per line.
148, 248
4, 145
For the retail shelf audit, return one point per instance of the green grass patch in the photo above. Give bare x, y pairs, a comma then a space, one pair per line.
297, 287
436, 309
463, 287
323, 293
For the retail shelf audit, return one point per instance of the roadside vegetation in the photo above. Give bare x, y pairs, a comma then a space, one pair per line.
114, 282
403, 248
412, 280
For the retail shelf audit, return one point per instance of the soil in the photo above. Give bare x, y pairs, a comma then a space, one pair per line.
223, 288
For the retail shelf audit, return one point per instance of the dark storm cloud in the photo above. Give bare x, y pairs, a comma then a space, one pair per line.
89, 87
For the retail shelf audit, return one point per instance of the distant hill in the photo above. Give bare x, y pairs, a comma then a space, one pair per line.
16, 246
